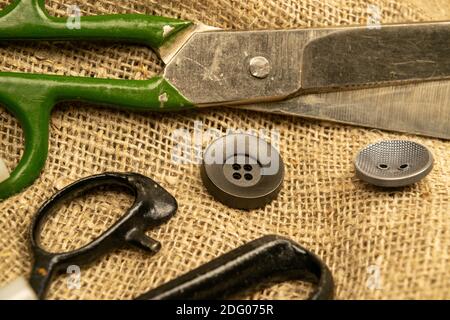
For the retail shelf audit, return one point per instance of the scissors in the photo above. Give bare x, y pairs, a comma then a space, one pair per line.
152, 207
264, 261
268, 259
393, 77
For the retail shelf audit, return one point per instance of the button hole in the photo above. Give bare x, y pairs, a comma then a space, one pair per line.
237, 176
248, 177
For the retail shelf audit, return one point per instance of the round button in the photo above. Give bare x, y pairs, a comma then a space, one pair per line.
242, 171
394, 163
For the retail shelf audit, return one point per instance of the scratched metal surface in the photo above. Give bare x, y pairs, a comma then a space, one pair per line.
216, 64
377, 56
394, 78
422, 109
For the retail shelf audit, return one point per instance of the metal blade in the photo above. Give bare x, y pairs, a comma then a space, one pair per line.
171, 47
422, 108
390, 55
395, 77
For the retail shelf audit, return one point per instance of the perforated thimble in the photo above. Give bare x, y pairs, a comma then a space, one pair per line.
393, 163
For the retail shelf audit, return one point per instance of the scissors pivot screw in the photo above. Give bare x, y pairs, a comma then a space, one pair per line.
260, 67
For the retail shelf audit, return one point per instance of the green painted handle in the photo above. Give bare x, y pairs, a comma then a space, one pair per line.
31, 97
28, 19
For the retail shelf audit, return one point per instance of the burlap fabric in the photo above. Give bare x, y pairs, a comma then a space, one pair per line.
379, 245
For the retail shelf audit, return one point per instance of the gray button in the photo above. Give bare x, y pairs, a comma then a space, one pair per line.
242, 171
394, 163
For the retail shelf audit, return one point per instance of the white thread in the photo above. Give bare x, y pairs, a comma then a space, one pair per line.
4, 172
167, 30
18, 289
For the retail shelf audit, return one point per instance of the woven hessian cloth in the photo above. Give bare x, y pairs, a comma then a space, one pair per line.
401, 237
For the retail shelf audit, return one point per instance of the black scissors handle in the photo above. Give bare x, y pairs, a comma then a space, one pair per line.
267, 259
153, 206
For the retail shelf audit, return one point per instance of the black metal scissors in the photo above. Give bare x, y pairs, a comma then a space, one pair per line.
268, 259
152, 207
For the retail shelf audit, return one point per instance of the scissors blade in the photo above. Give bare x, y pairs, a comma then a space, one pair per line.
171, 47
422, 108
376, 57
392, 77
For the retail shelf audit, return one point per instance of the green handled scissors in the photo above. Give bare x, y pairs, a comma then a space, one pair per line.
393, 77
